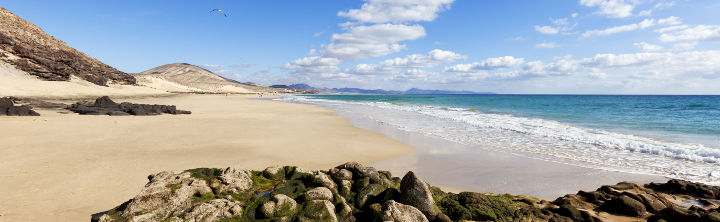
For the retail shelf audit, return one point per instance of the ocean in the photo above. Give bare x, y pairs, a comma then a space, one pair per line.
671, 136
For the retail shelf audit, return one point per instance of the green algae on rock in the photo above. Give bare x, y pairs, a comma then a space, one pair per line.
353, 192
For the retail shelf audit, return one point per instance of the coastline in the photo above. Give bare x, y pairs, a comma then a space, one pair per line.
65, 167
459, 167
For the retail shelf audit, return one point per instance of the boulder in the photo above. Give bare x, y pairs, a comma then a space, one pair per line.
280, 206
214, 210
318, 210
235, 180
319, 193
166, 193
394, 211
629, 206
416, 193
7, 107
652, 203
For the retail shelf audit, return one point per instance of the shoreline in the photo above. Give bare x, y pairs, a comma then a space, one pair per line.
65, 167
461, 167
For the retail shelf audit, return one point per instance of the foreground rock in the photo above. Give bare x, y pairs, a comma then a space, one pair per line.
105, 106
8, 108
352, 192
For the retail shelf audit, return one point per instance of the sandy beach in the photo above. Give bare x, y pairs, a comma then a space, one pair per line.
65, 167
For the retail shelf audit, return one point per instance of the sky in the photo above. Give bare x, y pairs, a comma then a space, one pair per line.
503, 46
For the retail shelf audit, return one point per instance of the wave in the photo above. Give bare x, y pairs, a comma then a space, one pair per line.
546, 139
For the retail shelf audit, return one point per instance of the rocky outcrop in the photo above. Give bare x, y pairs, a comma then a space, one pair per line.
105, 106
352, 192
30, 49
8, 108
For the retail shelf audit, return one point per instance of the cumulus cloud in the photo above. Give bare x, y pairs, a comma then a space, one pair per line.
378, 28
611, 8
644, 24
313, 65
546, 45
362, 42
397, 11
695, 33
429, 60
487, 64
648, 47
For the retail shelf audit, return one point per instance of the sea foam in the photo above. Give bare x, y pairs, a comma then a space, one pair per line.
543, 139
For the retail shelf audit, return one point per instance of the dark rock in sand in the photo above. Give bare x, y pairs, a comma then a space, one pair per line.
688, 188
8, 108
105, 106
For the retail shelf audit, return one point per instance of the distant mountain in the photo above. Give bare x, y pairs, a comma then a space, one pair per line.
183, 77
28, 48
372, 91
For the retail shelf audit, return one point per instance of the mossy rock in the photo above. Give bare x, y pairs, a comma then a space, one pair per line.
479, 207
205, 173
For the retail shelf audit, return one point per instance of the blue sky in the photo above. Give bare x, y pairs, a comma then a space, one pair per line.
505, 46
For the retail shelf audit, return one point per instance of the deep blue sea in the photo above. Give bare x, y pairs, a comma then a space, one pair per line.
674, 136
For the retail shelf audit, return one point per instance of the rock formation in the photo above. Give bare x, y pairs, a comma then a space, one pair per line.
352, 192
30, 49
8, 108
105, 106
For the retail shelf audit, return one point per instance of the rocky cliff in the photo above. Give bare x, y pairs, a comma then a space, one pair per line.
30, 49
352, 192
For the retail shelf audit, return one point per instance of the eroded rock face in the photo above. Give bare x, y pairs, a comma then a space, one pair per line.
352, 192
8, 108
30, 49
105, 106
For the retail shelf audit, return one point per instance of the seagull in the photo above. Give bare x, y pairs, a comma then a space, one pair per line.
220, 11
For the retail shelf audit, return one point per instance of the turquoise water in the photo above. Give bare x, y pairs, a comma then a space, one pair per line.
672, 136
689, 119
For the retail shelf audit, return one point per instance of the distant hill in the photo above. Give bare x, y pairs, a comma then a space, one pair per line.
371, 91
28, 48
183, 77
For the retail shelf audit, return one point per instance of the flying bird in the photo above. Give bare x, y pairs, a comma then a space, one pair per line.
220, 11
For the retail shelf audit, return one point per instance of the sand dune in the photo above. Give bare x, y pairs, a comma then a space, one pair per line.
182, 77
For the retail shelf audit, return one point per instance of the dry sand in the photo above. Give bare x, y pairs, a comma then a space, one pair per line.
65, 167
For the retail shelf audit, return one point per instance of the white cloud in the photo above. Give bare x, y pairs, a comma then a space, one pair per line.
488, 64
429, 60
397, 11
648, 47
411, 74
644, 24
611, 8
362, 42
546, 45
313, 65
561, 25
696, 33
685, 46
547, 30
645, 13
660, 65
574, 15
